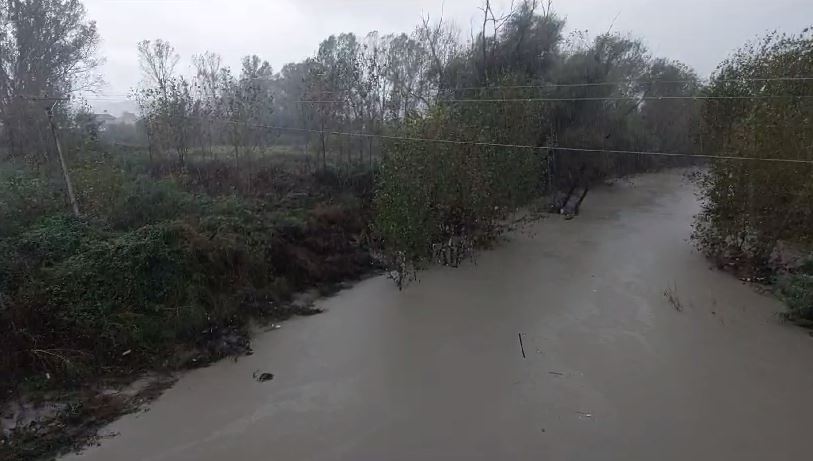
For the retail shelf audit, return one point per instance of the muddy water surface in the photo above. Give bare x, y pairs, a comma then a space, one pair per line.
611, 369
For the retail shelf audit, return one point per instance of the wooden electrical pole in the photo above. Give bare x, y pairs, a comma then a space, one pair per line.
68, 183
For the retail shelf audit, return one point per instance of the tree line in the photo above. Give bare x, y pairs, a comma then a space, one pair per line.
360, 103
378, 84
757, 216
432, 84
398, 151
48, 49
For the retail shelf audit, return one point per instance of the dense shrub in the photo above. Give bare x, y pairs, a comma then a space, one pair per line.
25, 197
750, 206
130, 199
136, 291
150, 268
797, 292
57, 237
431, 195
44, 244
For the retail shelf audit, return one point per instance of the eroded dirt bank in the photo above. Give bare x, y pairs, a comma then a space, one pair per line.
612, 369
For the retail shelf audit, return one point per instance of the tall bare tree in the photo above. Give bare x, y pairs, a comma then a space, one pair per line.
157, 61
165, 100
209, 72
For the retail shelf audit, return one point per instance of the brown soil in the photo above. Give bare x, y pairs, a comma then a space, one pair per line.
55, 424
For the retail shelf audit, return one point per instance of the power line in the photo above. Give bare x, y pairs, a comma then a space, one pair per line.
542, 85
492, 144
574, 99
598, 98
607, 83
563, 85
104, 98
630, 98
508, 145
626, 82
44, 98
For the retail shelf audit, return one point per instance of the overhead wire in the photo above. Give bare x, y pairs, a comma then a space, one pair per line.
597, 98
626, 82
545, 148
544, 85
510, 145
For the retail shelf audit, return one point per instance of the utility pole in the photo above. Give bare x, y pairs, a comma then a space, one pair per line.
68, 184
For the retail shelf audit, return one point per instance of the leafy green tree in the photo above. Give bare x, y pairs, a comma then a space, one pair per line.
47, 48
749, 207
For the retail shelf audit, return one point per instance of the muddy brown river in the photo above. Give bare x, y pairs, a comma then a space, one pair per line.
611, 370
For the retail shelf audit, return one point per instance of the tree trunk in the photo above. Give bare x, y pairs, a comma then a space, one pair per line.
371, 153
485, 53
68, 183
149, 139
581, 199
324, 150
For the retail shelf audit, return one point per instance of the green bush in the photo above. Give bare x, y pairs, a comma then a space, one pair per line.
79, 298
146, 201
430, 193
25, 197
57, 237
44, 244
128, 202
749, 206
152, 274
797, 292
142, 291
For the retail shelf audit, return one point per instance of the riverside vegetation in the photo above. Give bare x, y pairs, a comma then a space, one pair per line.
234, 192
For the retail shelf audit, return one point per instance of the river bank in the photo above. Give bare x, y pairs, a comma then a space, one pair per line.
608, 367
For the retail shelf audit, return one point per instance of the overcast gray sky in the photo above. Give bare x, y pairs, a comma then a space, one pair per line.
697, 32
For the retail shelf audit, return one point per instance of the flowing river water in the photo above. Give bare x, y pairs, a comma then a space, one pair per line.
611, 369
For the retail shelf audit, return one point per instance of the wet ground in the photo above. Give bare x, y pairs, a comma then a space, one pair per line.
608, 366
